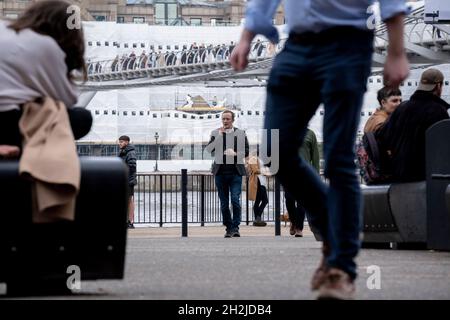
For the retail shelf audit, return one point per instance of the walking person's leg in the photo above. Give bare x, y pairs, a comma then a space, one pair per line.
256, 205
293, 96
292, 211
236, 190
223, 191
344, 196
300, 219
260, 204
344, 86
131, 208
264, 202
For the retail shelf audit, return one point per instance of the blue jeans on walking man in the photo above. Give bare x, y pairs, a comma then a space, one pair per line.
230, 184
333, 71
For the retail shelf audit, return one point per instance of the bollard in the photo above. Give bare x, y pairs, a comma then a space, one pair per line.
246, 197
184, 211
277, 207
160, 201
202, 200
438, 180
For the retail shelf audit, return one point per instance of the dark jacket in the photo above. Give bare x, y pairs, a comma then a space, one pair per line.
241, 147
402, 138
128, 155
309, 150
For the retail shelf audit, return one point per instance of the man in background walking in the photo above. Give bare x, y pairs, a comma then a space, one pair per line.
309, 152
229, 146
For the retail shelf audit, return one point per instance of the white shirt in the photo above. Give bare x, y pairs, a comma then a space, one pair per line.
32, 66
316, 15
228, 131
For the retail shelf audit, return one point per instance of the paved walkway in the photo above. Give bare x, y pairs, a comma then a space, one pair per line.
258, 266
210, 231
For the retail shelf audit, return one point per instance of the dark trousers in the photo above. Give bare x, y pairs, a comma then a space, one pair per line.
296, 211
80, 121
261, 200
230, 184
332, 70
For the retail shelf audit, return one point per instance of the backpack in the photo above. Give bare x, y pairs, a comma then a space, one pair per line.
369, 160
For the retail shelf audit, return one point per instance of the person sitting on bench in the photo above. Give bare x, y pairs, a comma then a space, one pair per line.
389, 99
401, 139
39, 57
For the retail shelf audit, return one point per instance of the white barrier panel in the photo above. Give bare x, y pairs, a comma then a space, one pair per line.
437, 11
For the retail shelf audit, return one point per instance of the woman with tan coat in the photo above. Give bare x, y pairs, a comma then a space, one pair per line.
257, 184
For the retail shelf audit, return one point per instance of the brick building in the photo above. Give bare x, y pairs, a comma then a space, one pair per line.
164, 12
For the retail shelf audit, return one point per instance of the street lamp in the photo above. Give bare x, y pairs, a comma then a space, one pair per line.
157, 150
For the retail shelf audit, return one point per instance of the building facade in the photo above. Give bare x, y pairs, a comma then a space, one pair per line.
160, 12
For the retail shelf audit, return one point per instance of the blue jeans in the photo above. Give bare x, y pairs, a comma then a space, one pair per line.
333, 72
226, 185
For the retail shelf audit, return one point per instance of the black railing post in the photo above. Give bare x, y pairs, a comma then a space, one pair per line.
160, 201
277, 207
246, 199
202, 200
184, 211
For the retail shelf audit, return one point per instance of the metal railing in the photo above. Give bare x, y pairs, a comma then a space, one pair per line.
158, 200
186, 57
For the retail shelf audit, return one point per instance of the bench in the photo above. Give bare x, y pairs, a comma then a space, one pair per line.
395, 214
438, 182
416, 214
36, 257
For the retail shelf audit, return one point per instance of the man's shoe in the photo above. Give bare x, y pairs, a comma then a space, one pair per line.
320, 274
337, 286
228, 234
236, 234
130, 225
298, 233
292, 229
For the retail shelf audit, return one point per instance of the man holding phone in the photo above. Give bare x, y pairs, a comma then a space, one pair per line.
229, 146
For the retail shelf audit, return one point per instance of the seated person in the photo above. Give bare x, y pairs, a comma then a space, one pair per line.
402, 138
39, 56
389, 99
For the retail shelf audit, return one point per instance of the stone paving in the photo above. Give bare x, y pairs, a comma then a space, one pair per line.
161, 265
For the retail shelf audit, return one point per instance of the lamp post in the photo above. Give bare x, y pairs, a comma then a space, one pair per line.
157, 150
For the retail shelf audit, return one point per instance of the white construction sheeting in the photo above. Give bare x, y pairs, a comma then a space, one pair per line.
100, 38
437, 11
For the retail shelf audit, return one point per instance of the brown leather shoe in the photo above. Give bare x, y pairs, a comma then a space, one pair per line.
320, 274
337, 286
